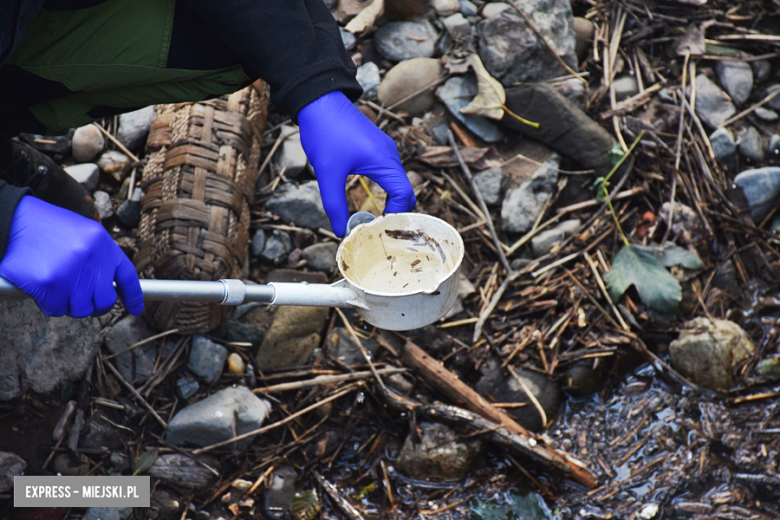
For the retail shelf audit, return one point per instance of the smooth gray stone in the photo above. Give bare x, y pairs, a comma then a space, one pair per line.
750, 145
713, 106
399, 41
277, 246
134, 127
186, 388
321, 256
369, 79
258, 242
11, 465
736, 77
724, 147
458, 27
468, 8
230, 412
105, 207
456, 93
206, 359
129, 212
766, 114
138, 364
774, 144
300, 204
761, 187
348, 38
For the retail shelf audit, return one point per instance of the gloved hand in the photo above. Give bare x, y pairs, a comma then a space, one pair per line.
340, 141
67, 262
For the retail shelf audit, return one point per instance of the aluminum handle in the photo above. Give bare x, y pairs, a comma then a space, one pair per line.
231, 292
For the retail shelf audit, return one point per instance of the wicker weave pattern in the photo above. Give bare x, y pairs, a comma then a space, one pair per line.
198, 187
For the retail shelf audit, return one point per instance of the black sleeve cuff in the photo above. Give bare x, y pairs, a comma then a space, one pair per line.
9, 198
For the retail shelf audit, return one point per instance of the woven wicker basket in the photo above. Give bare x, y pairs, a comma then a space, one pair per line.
198, 188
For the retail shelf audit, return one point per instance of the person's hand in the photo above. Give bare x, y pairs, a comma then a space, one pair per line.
67, 262
340, 141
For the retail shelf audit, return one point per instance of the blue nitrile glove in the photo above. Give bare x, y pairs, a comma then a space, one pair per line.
67, 262
340, 141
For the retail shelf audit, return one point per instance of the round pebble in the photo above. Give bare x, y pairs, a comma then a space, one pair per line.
236, 365
87, 143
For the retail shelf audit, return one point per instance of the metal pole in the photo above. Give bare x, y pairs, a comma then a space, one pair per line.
225, 292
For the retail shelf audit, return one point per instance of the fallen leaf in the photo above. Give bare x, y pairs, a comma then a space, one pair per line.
444, 156
491, 97
145, 461
366, 18
643, 267
676, 255
305, 505
490, 100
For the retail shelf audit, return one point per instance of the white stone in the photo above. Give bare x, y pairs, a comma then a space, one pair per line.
291, 156
87, 174
446, 7
87, 143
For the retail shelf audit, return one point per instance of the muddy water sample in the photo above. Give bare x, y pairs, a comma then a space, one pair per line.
400, 255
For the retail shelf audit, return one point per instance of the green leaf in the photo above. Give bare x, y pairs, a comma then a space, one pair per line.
145, 461
768, 369
599, 187
644, 269
616, 152
676, 255
305, 505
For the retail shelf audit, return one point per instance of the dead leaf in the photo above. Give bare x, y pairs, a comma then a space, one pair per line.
444, 156
489, 101
366, 18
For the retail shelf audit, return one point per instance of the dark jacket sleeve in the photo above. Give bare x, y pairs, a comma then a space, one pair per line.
9, 198
294, 45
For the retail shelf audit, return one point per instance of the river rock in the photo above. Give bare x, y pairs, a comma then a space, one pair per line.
775, 101
86, 174
258, 242
583, 34
369, 79
492, 9
405, 79
129, 212
709, 353
280, 493
446, 7
340, 345
181, 471
38, 351
138, 364
764, 114
489, 185
11, 465
103, 204
114, 163
206, 359
456, 93
522, 204
276, 247
513, 53
87, 143
750, 145
625, 87
724, 147
437, 453
500, 385
291, 155
230, 412
457, 26
301, 205
134, 127
736, 77
398, 41
544, 242
99, 434
186, 388
292, 337
774, 144
713, 106
762, 69
347, 38
108, 513
321, 256
468, 8
760, 187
